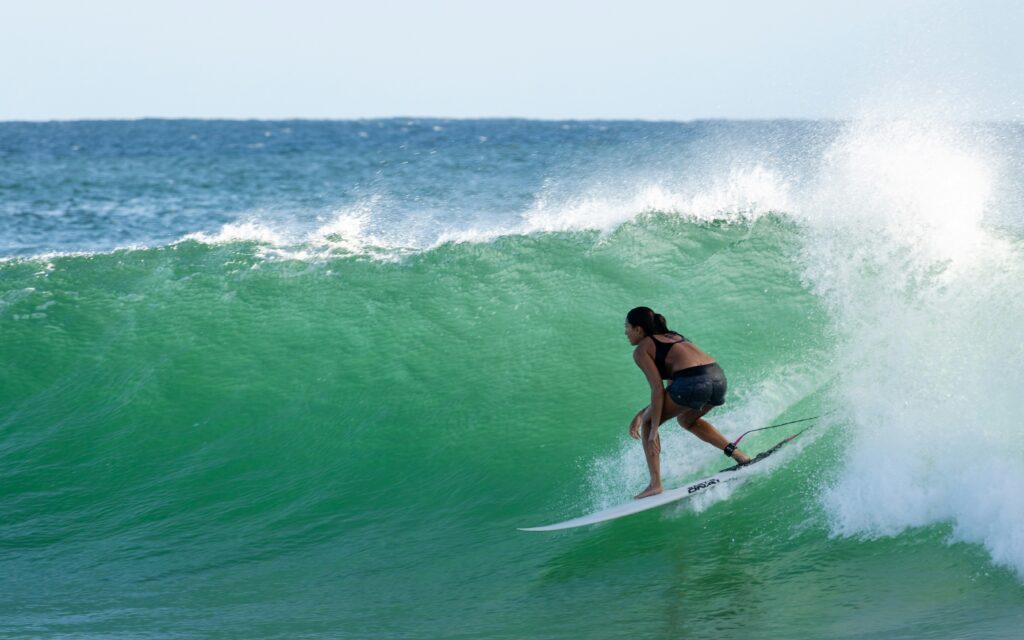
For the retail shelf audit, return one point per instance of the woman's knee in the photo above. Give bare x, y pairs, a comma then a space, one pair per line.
687, 419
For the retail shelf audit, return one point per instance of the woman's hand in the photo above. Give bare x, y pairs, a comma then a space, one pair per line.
634, 426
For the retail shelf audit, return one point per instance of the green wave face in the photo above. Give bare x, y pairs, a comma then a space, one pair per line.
353, 442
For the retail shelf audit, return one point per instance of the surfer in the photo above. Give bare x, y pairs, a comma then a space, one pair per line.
698, 386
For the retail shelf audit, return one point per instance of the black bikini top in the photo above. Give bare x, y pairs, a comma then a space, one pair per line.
661, 350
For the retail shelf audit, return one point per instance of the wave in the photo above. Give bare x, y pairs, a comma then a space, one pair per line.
269, 355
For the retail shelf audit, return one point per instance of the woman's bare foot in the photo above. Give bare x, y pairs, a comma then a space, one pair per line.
740, 457
651, 490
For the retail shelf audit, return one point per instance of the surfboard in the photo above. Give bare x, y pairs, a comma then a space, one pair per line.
663, 498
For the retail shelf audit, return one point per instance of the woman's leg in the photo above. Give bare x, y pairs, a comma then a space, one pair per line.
692, 420
652, 449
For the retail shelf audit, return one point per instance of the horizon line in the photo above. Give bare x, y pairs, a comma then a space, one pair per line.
832, 119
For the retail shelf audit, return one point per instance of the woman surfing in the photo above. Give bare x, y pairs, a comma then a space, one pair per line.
698, 386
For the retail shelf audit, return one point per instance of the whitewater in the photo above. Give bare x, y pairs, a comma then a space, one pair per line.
306, 379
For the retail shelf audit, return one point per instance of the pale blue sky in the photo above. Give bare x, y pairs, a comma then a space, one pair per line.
577, 59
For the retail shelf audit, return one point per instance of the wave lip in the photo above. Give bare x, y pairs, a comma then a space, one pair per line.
745, 193
364, 230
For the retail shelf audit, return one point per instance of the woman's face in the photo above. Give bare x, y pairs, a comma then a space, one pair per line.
634, 334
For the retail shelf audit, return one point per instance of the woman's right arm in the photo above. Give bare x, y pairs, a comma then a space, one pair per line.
646, 364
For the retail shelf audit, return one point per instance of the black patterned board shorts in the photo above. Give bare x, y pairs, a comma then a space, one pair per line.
695, 387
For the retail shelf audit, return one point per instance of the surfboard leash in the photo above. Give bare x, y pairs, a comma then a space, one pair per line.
729, 448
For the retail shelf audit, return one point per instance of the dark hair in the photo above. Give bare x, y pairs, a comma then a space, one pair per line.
645, 318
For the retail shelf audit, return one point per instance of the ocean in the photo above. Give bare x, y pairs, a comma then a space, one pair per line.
306, 379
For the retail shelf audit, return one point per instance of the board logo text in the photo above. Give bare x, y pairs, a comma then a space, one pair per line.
701, 485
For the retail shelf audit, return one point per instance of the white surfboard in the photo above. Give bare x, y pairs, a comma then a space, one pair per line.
663, 498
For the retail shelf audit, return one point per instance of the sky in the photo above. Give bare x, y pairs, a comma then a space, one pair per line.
652, 60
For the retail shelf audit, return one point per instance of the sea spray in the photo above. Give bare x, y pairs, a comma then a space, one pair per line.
921, 296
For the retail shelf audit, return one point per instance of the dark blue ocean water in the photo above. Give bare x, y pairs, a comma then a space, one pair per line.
87, 186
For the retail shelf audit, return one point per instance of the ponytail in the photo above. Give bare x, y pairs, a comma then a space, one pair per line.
660, 326
644, 317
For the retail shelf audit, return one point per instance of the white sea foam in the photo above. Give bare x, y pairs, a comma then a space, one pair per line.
926, 305
247, 231
370, 229
745, 193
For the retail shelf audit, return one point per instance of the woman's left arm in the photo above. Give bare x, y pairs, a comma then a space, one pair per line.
636, 423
